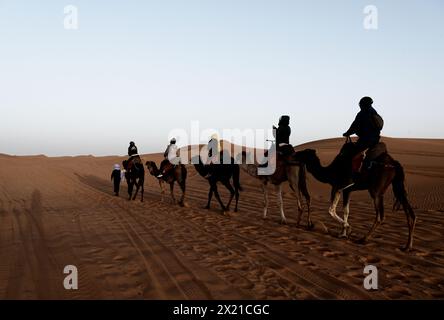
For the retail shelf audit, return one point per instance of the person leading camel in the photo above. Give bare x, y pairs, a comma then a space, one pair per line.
171, 159
116, 177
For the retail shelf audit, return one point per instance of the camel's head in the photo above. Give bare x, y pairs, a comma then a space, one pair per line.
150, 166
125, 164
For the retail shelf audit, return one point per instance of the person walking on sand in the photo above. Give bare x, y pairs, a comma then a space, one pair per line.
116, 177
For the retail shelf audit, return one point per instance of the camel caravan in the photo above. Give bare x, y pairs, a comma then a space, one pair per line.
361, 165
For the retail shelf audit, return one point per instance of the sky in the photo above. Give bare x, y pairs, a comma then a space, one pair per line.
135, 70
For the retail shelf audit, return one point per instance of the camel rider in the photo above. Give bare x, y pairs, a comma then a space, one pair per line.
213, 150
132, 153
367, 126
132, 149
282, 135
213, 154
171, 154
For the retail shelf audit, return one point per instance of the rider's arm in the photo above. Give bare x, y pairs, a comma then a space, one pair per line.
353, 128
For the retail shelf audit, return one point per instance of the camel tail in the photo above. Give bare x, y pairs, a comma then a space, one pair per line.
399, 189
236, 178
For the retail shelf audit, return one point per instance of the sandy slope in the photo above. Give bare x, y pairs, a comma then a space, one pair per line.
60, 211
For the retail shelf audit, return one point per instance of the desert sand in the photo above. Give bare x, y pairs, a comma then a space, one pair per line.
61, 211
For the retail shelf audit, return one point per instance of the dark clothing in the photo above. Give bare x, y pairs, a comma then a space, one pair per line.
365, 143
115, 177
283, 146
364, 125
132, 150
283, 135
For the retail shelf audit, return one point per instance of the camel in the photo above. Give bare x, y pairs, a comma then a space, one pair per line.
134, 176
178, 174
220, 173
384, 171
294, 174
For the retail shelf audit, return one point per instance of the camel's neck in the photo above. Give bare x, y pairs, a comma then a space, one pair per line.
154, 170
323, 174
251, 169
200, 168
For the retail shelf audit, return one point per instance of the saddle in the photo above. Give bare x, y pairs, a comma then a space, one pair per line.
368, 156
133, 161
284, 154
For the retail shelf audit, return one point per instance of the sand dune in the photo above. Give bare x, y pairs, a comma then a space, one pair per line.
61, 211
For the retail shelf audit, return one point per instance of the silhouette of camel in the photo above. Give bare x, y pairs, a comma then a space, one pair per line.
134, 176
178, 174
220, 173
294, 174
385, 171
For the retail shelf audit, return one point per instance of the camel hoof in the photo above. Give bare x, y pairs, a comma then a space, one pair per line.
406, 248
283, 221
362, 241
310, 226
235, 210
207, 207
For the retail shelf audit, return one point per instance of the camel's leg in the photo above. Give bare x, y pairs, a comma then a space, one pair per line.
130, 190
378, 202
310, 223
281, 204
307, 197
236, 195
346, 204
293, 178
335, 197
143, 191
265, 190
411, 222
183, 188
172, 192
232, 193
216, 194
210, 196
137, 190
162, 191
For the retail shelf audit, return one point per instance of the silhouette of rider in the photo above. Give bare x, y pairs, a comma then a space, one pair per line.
132, 153
132, 149
282, 135
367, 126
